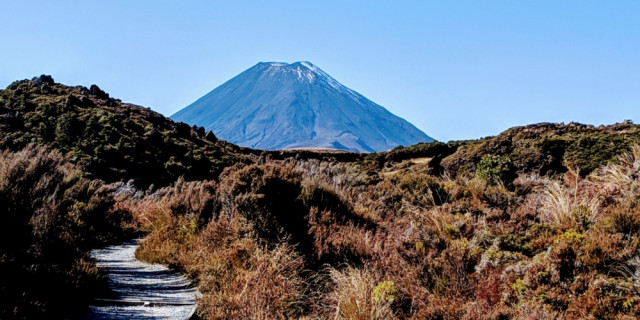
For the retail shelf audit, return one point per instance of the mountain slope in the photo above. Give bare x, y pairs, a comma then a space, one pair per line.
284, 106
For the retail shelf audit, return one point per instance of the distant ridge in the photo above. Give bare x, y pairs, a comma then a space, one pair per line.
275, 105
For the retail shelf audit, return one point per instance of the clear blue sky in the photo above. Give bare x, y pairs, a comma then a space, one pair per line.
455, 69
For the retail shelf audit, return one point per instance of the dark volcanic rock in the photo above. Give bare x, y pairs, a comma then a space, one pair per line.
99, 93
43, 79
210, 136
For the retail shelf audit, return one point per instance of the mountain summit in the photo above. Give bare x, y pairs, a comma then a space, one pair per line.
276, 105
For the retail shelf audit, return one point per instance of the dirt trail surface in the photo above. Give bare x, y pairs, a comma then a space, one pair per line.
140, 290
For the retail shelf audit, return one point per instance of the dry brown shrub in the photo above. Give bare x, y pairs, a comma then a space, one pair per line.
50, 216
484, 252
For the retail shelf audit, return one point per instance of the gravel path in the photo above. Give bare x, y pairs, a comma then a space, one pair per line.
140, 290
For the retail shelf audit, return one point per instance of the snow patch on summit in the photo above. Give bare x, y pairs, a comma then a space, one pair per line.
308, 65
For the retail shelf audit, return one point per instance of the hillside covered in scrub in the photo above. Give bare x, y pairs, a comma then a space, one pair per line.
541, 221
339, 240
112, 140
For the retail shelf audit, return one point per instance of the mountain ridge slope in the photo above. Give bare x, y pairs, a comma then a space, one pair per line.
275, 105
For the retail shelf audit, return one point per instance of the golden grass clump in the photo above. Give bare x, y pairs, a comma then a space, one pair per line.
358, 295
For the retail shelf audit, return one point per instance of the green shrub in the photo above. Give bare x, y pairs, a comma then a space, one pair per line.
495, 169
385, 291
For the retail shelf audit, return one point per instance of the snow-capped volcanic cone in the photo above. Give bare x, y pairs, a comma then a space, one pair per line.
285, 106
